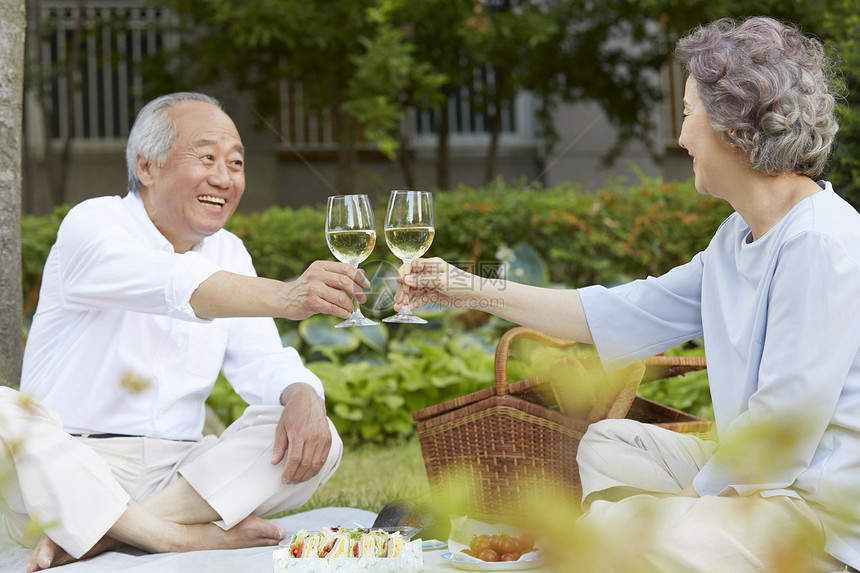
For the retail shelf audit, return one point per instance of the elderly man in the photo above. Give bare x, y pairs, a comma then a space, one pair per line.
145, 299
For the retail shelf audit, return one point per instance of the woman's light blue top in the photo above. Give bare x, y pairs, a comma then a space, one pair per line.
780, 318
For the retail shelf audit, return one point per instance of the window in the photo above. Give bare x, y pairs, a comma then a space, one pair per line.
302, 129
115, 37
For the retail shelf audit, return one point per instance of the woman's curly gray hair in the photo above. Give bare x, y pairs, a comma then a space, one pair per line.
154, 131
766, 86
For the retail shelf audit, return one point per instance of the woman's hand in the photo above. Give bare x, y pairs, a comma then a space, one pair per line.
558, 312
433, 280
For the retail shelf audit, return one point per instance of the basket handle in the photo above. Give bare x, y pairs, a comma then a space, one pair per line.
660, 367
502, 348
657, 367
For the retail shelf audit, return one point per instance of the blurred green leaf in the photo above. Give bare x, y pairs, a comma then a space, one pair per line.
319, 332
375, 337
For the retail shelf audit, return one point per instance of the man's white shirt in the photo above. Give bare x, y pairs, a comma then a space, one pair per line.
115, 347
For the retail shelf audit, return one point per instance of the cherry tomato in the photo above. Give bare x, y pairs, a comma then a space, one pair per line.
508, 544
526, 542
488, 555
509, 557
482, 542
494, 542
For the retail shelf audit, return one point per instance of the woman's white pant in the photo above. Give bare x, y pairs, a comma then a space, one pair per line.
631, 473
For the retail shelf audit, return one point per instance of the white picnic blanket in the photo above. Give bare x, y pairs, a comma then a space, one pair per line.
13, 558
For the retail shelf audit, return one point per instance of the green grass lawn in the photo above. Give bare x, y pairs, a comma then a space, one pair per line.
370, 476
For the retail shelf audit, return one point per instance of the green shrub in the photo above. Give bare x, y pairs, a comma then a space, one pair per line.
37, 236
281, 241
618, 233
376, 377
585, 238
689, 393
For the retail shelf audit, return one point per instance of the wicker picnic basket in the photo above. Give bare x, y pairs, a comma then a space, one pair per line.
497, 448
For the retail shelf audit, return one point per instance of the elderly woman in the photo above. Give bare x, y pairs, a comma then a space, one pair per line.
776, 296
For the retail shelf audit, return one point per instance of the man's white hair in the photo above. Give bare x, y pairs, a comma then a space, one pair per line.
154, 131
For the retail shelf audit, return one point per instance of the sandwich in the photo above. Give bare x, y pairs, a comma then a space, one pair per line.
371, 543
325, 541
297, 543
309, 546
340, 543
393, 545
341, 547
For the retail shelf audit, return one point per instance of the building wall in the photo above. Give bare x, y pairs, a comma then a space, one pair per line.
586, 136
302, 184
271, 180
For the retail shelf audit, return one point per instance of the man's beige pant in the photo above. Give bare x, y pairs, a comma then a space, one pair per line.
76, 488
631, 473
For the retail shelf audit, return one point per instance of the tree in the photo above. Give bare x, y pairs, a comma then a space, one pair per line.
367, 61
841, 26
835, 22
541, 46
343, 53
447, 35
12, 34
388, 79
56, 158
609, 53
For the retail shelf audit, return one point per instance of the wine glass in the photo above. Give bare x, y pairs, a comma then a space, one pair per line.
409, 231
351, 236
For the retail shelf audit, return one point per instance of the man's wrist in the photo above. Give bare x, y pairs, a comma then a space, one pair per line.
281, 299
291, 390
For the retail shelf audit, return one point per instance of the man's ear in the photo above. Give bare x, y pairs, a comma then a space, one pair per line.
144, 168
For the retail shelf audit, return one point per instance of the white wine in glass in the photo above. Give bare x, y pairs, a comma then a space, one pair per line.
409, 231
351, 236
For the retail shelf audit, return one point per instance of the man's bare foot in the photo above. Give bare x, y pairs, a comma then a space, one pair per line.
48, 554
250, 532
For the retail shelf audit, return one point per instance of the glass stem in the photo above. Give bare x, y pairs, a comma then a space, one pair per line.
405, 310
355, 309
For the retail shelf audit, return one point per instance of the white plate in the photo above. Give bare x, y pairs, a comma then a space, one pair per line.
433, 544
495, 566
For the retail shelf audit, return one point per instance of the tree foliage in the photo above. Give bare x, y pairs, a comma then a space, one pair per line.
835, 22
447, 35
370, 59
841, 24
345, 54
